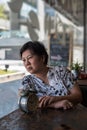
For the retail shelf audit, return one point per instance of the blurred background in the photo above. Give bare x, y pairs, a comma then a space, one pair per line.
25, 20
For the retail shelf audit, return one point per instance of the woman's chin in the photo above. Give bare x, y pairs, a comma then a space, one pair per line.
30, 71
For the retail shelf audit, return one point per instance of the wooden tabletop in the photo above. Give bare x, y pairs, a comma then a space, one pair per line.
49, 119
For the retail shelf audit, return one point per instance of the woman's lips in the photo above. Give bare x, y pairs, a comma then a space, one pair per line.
29, 68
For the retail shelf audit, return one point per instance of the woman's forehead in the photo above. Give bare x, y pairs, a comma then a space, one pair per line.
29, 51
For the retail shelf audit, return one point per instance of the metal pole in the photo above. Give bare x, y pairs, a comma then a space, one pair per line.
85, 37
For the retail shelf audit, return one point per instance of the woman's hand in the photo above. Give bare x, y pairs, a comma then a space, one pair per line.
50, 101
65, 104
45, 101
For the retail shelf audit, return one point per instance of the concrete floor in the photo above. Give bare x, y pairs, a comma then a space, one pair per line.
9, 97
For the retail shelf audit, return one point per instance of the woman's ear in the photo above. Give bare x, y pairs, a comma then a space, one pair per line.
43, 59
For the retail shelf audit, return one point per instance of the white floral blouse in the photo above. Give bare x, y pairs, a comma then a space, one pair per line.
60, 82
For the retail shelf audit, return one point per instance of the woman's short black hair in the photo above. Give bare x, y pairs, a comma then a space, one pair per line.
36, 47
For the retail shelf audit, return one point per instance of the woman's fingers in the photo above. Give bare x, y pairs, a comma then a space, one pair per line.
67, 105
70, 104
44, 101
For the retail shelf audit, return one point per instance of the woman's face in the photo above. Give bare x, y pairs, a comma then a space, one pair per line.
33, 63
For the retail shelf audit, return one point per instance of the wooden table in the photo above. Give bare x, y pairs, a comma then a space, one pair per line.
49, 119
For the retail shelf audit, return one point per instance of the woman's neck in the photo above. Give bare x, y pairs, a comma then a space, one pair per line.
43, 74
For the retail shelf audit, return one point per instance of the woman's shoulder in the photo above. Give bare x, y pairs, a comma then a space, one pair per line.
58, 68
62, 70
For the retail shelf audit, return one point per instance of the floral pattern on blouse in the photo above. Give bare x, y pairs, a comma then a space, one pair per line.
60, 82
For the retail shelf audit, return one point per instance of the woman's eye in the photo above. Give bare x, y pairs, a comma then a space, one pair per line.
29, 57
23, 60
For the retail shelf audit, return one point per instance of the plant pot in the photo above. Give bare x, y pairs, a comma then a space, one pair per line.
75, 74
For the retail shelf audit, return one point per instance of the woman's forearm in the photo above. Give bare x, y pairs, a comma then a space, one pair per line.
75, 96
72, 98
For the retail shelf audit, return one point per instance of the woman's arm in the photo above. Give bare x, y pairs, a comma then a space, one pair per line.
74, 97
65, 104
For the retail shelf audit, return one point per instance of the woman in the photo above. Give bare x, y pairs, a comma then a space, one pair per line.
54, 85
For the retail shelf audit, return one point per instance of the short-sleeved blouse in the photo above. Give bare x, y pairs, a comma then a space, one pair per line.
60, 82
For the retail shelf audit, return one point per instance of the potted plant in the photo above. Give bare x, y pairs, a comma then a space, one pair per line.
76, 69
